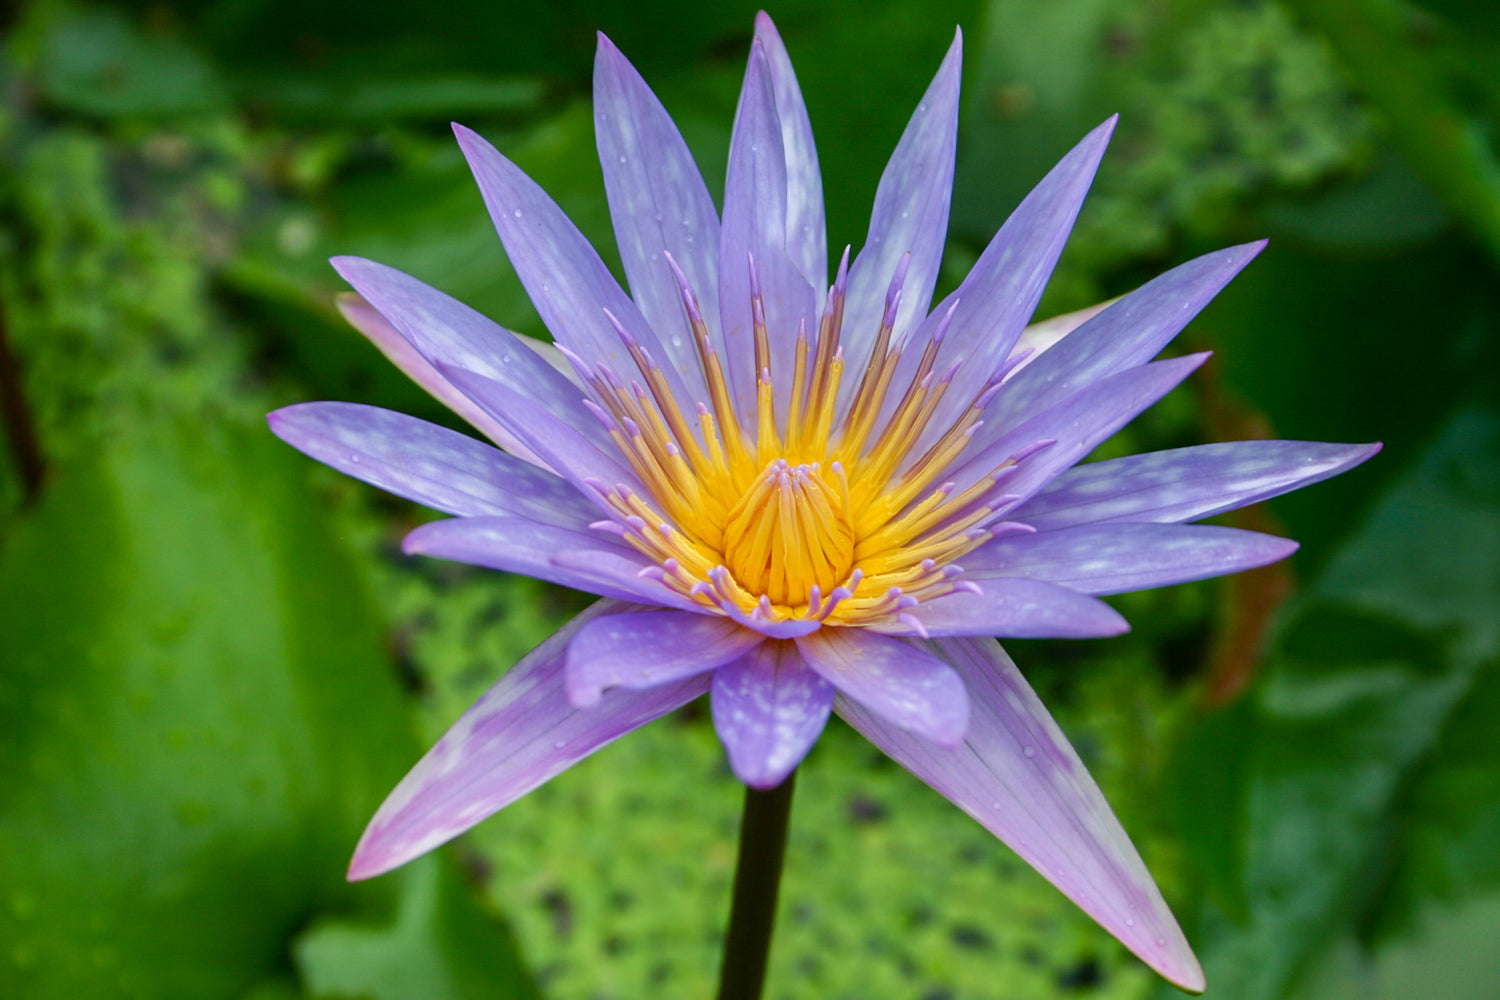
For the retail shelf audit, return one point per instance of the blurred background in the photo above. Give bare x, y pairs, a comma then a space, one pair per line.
214, 661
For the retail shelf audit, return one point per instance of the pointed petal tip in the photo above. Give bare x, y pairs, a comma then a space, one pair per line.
357, 271
1097, 141
955, 48
367, 862
1107, 623
1192, 362
470, 141
606, 53
413, 543
344, 263
1188, 976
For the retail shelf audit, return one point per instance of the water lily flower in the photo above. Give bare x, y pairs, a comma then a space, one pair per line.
798, 495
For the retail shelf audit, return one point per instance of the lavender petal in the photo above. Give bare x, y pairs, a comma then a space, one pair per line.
658, 204
518, 545
992, 305
896, 679
756, 225
1186, 484
1016, 774
1125, 335
521, 733
1116, 558
447, 332
1045, 334
806, 230
367, 320
1018, 608
910, 216
643, 649
1076, 425
568, 283
576, 457
768, 710
432, 465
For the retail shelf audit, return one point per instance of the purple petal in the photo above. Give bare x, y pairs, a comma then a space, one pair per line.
522, 732
398, 350
657, 202
575, 456
993, 304
1016, 774
1048, 333
1186, 484
910, 216
769, 709
1116, 558
1076, 425
1127, 334
517, 545
899, 681
782, 628
447, 332
756, 224
1018, 608
432, 465
643, 649
620, 571
806, 230
571, 288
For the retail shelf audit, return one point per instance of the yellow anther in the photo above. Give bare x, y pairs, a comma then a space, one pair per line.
789, 533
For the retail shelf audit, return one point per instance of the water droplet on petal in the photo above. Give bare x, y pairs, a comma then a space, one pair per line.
559, 744
516, 212
1161, 942
624, 158
1030, 752
1129, 921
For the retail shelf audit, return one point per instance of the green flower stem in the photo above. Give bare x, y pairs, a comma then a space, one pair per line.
757, 877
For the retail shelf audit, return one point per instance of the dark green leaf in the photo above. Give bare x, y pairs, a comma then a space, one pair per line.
198, 714
1374, 687
98, 63
440, 946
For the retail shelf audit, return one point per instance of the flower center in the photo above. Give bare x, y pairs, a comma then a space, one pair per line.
813, 506
789, 533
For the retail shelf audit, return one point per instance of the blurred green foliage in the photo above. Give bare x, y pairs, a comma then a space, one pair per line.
213, 660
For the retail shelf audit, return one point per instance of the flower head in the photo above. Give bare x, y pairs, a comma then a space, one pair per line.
803, 496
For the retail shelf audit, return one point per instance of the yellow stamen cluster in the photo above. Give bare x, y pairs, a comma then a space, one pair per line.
832, 519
